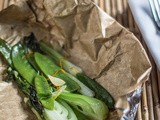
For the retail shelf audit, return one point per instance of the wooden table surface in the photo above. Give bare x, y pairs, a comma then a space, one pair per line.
149, 108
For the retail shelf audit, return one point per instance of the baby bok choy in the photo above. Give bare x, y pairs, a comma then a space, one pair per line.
93, 108
61, 111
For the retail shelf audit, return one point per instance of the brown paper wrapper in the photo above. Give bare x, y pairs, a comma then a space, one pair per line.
92, 40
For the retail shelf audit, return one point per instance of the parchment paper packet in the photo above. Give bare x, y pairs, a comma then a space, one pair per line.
93, 40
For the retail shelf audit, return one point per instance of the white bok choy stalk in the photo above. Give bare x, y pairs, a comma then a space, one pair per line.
61, 111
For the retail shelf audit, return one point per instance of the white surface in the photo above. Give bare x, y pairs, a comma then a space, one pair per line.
143, 17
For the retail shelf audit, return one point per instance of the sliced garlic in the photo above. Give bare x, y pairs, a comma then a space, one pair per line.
25, 99
56, 81
58, 92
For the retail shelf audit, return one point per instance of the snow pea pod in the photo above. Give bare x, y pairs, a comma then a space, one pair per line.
44, 92
21, 63
48, 67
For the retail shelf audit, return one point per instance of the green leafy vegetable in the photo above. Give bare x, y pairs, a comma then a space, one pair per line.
91, 107
100, 92
80, 115
44, 92
71, 114
60, 112
21, 64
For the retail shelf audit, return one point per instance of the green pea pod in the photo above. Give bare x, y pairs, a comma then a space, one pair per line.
42, 87
44, 92
5, 50
21, 64
33, 63
48, 67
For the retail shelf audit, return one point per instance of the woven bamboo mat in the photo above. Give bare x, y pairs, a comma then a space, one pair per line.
149, 108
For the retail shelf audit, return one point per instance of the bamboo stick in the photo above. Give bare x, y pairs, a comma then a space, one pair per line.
113, 8
125, 2
130, 19
139, 113
137, 32
144, 106
96, 1
150, 100
104, 4
116, 8
108, 6
119, 11
1, 4
125, 18
155, 94
101, 4
5, 4
158, 79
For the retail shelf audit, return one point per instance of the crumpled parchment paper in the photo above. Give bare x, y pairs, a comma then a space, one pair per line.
92, 40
